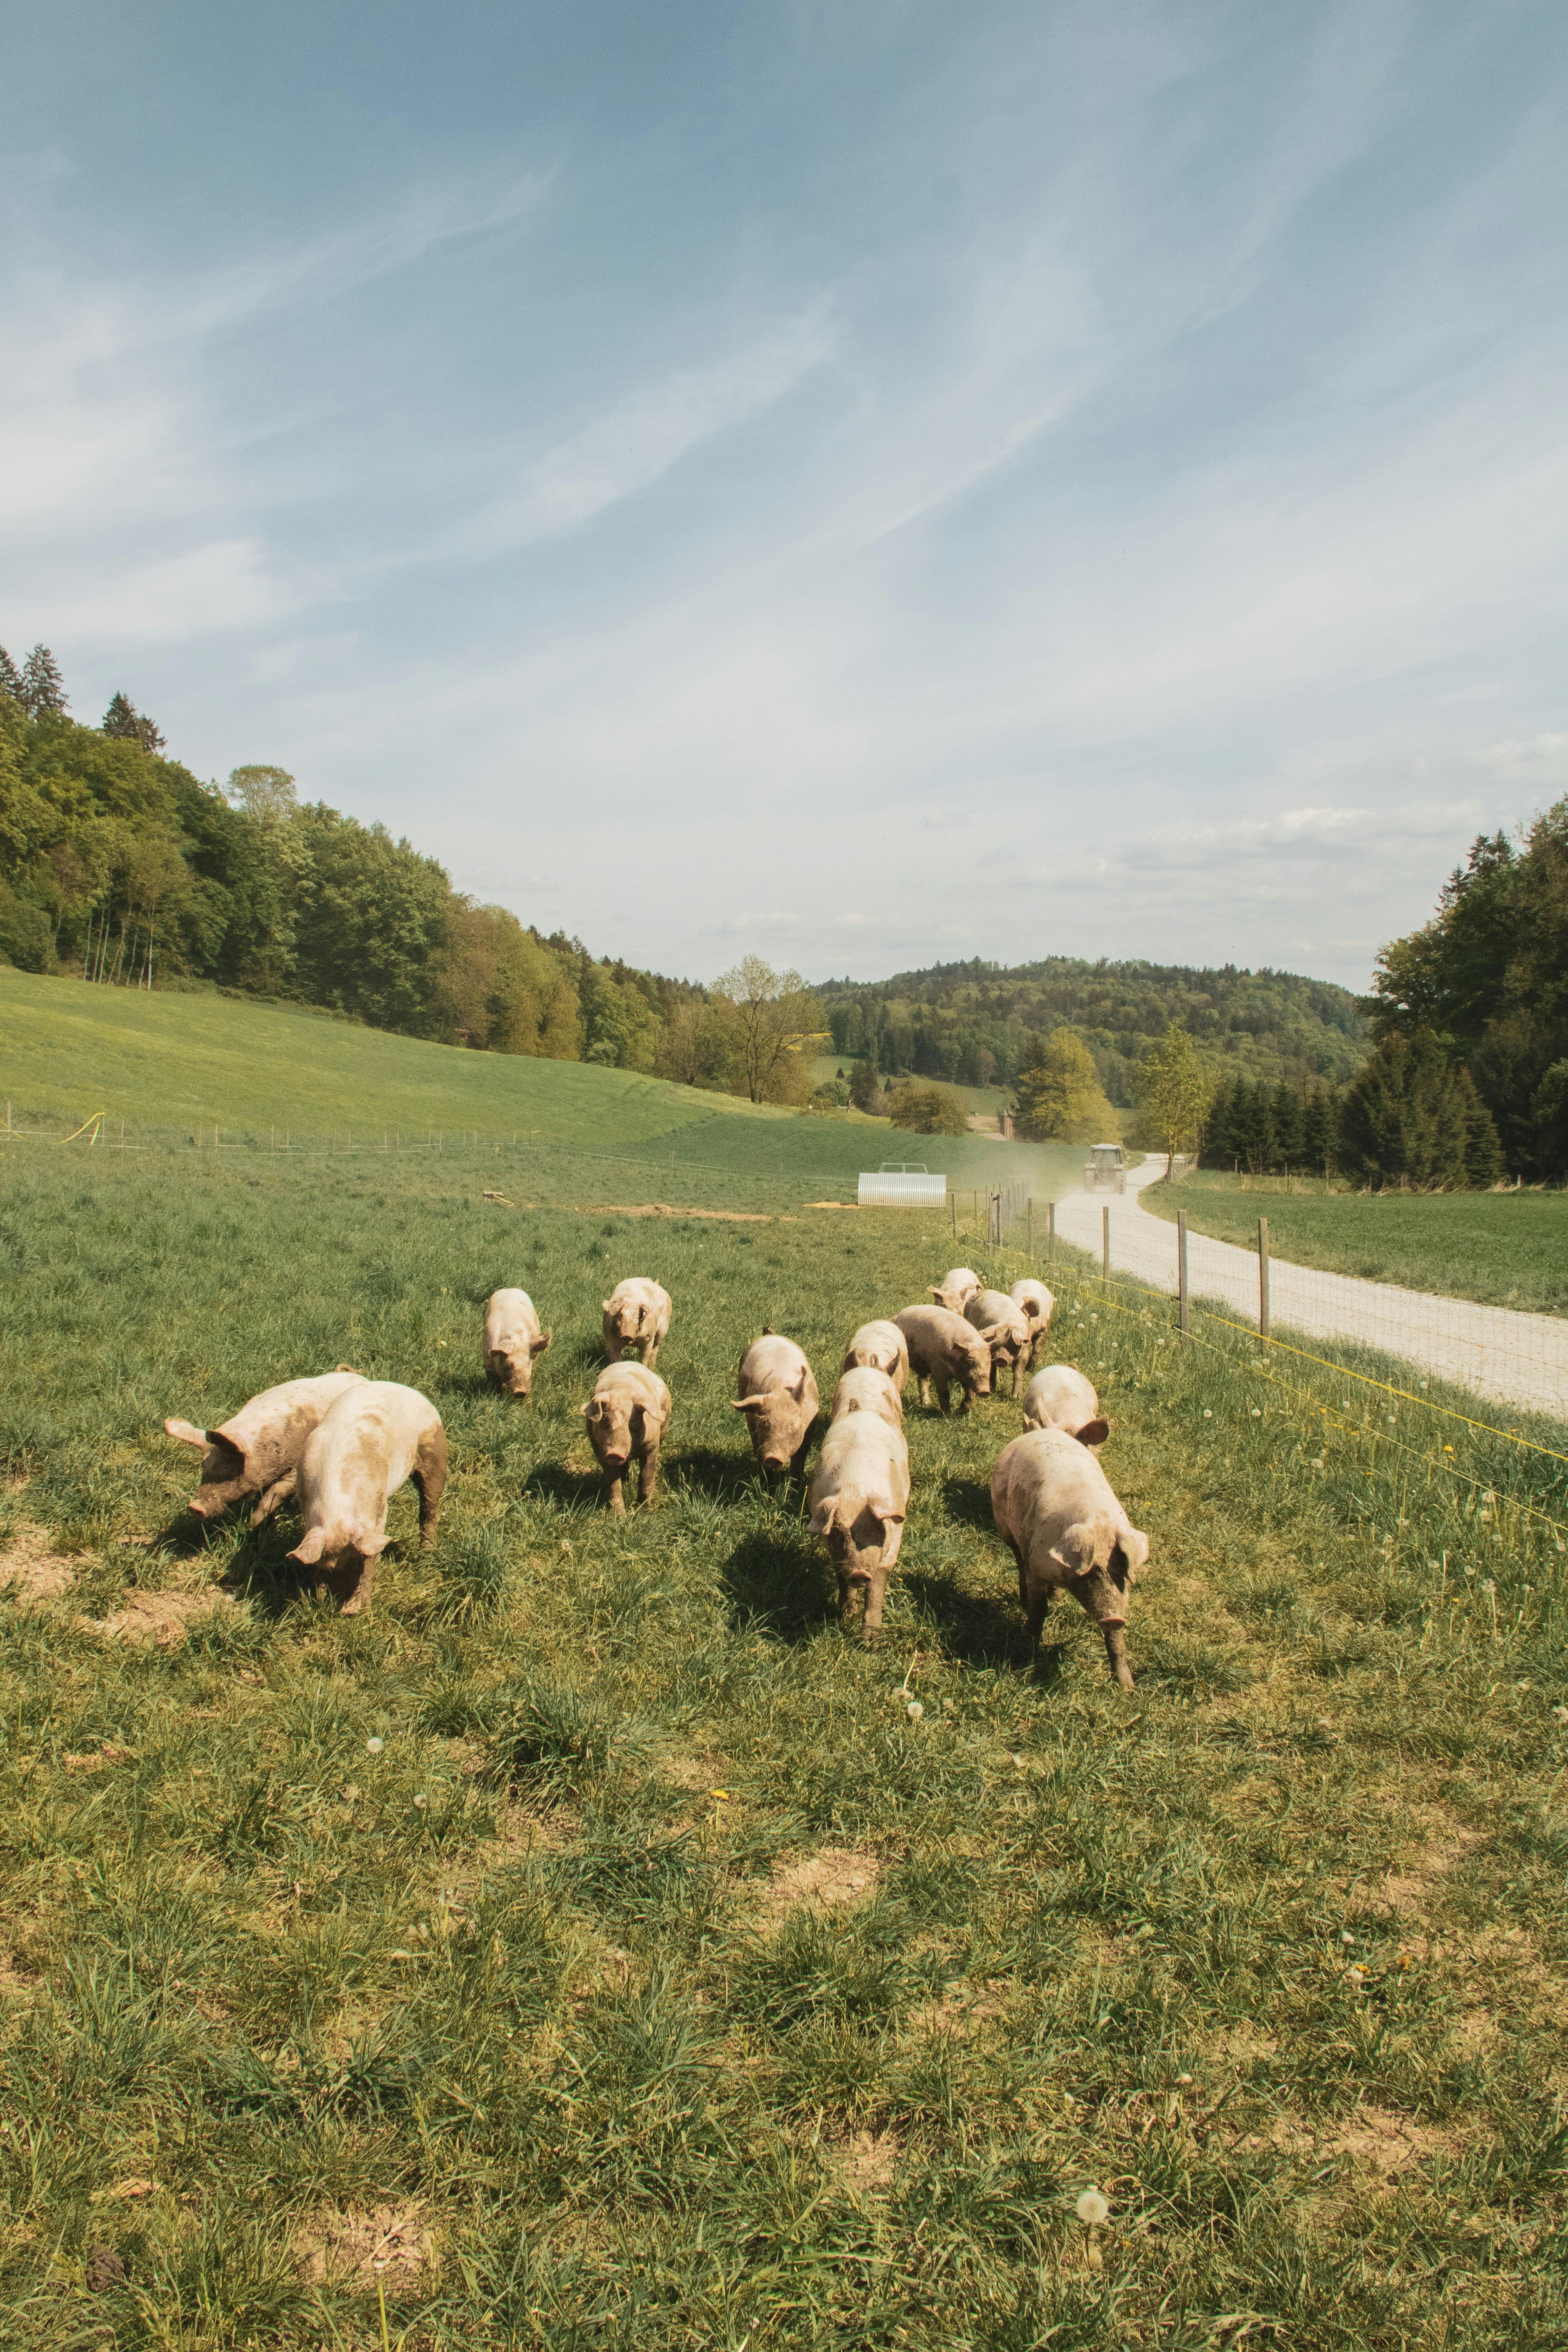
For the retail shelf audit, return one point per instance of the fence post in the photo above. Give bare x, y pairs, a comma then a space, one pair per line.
1263, 1277
1029, 1229
1182, 1271
1105, 1243
952, 1204
1050, 1232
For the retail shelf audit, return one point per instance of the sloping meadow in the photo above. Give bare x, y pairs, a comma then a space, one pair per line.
596, 1949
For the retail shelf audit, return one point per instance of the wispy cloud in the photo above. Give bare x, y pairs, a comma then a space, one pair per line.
638, 440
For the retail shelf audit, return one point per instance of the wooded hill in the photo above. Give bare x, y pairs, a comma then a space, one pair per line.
970, 1023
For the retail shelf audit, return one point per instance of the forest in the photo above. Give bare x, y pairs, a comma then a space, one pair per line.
1487, 979
972, 1023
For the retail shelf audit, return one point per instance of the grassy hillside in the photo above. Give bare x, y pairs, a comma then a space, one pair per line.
173, 1065
1506, 1249
594, 1949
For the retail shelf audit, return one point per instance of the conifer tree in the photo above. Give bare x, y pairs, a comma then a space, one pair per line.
43, 687
10, 677
1320, 1132
1290, 1148
1217, 1148
124, 720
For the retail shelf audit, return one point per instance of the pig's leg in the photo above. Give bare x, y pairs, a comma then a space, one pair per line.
923, 1382
876, 1585
797, 1460
357, 1600
648, 1480
430, 1477
1116, 1650
939, 1381
650, 1355
279, 1492
1036, 1604
617, 1501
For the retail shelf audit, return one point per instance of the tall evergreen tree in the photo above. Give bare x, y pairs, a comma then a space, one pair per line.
124, 720
43, 688
1289, 1142
1252, 1127
1412, 1118
1320, 1132
10, 677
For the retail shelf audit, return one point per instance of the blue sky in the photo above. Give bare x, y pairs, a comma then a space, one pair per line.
865, 485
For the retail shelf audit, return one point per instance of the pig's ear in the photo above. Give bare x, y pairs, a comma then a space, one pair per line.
310, 1548
821, 1520
603, 1305
542, 1343
372, 1547
187, 1432
1074, 1553
1093, 1432
934, 1291
1135, 1544
588, 1410
798, 1391
748, 1405
889, 1518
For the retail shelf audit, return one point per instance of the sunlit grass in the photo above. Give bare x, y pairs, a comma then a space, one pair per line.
596, 1937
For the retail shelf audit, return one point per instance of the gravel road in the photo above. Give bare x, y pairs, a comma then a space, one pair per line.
1496, 1352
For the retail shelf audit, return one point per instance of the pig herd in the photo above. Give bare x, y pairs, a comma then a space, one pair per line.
342, 1445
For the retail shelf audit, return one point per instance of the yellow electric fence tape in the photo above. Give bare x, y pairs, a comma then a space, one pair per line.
1093, 1282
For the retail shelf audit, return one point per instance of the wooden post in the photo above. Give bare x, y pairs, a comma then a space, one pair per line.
952, 1198
1050, 1232
1105, 1243
1263, 1277
1029, 1228
1182, 1271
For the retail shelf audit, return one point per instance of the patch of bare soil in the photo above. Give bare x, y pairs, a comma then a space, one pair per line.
159, 1618
829, 1204
663, 1208
29, 1572
392, 2243
868, 2162
838, 1875
1380, 2144
1407, 1891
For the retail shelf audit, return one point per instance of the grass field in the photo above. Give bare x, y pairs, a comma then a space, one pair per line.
177, 1068
1506, 1249
594, 1949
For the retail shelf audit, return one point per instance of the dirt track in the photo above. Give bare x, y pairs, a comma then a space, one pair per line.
1496, 1352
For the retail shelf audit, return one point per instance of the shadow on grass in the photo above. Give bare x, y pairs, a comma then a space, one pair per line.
968, 1501
574, 1490
778, 1585
728, 1477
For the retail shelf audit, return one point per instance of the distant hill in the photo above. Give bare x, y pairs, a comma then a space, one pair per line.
968, 1022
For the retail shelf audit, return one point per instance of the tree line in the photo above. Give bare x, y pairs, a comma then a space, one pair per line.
119, 866
977, 1023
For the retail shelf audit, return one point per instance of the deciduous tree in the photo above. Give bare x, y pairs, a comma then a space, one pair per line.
1176, 1086
772, 1016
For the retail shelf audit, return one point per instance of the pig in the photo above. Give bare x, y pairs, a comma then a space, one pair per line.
863, 1389
1056, 1512
636, 1321
628, 1416
1005, 1327
882, 1346
778, 1396
943, 1348
860, 1494
1035, 1303
257, 1451
513, 1341
375, 1436
957, 1287
1062, 1398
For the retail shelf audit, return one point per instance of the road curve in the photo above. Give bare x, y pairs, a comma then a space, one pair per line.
1495, 1351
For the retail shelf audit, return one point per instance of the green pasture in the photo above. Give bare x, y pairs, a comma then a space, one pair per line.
178, 1068
1506, 1249
594, 1949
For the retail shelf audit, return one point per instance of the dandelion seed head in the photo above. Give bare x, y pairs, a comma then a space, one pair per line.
1091, 2208
914, 1710
420, 1798
1345, 1936
373, 1747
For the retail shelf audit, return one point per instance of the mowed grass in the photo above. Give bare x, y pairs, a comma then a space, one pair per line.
1506, 1249
176, 1068
596, 1949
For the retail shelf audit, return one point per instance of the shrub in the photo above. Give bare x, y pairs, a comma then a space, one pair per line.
927, 1109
